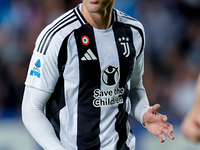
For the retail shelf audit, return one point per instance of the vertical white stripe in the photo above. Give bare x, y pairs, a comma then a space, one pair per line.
108, 55
69, 113
137, 41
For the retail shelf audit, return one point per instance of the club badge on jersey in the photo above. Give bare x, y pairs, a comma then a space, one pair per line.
124, 42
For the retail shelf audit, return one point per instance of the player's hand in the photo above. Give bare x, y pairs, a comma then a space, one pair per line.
157, 123
191, 128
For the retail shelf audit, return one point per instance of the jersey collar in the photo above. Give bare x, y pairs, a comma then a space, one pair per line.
82, 19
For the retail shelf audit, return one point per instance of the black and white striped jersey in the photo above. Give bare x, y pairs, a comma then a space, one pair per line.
89, 73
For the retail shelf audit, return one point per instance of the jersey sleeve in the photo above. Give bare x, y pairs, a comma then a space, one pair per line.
43, 71
138, 97
35, 121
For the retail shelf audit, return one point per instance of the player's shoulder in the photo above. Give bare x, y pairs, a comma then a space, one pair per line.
126, 19
60, 22
56, 31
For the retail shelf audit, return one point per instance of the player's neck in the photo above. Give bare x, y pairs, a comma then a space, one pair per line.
99, 20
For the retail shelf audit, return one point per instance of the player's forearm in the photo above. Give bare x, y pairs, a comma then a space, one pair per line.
41, 131
37, 123
139, 103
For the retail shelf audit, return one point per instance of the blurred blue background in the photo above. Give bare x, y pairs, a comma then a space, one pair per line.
172, 62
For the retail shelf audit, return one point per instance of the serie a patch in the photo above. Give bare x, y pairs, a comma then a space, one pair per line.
36, 69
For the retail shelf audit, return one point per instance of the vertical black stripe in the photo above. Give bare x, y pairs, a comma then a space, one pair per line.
120, 126
55, 104
88, 115
123, 34
142, 36
57, 100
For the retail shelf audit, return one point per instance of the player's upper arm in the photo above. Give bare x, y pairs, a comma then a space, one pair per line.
43, 68
139, 43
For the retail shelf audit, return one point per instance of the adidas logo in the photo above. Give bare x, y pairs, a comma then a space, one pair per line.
89, 55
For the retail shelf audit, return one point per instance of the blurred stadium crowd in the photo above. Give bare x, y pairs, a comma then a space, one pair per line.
172, 55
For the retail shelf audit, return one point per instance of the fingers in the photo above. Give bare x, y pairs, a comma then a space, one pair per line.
162, 138
159, 132
164, 118
161, 118
168, 130
157, 124
155, 107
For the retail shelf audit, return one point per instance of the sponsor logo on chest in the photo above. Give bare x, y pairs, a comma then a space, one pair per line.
108, 97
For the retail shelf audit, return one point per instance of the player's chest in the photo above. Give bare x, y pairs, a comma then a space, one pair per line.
111, 46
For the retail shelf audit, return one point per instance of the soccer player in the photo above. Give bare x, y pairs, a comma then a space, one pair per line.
85, 78
191, 124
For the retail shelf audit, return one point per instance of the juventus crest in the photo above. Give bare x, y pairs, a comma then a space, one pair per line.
124, 42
